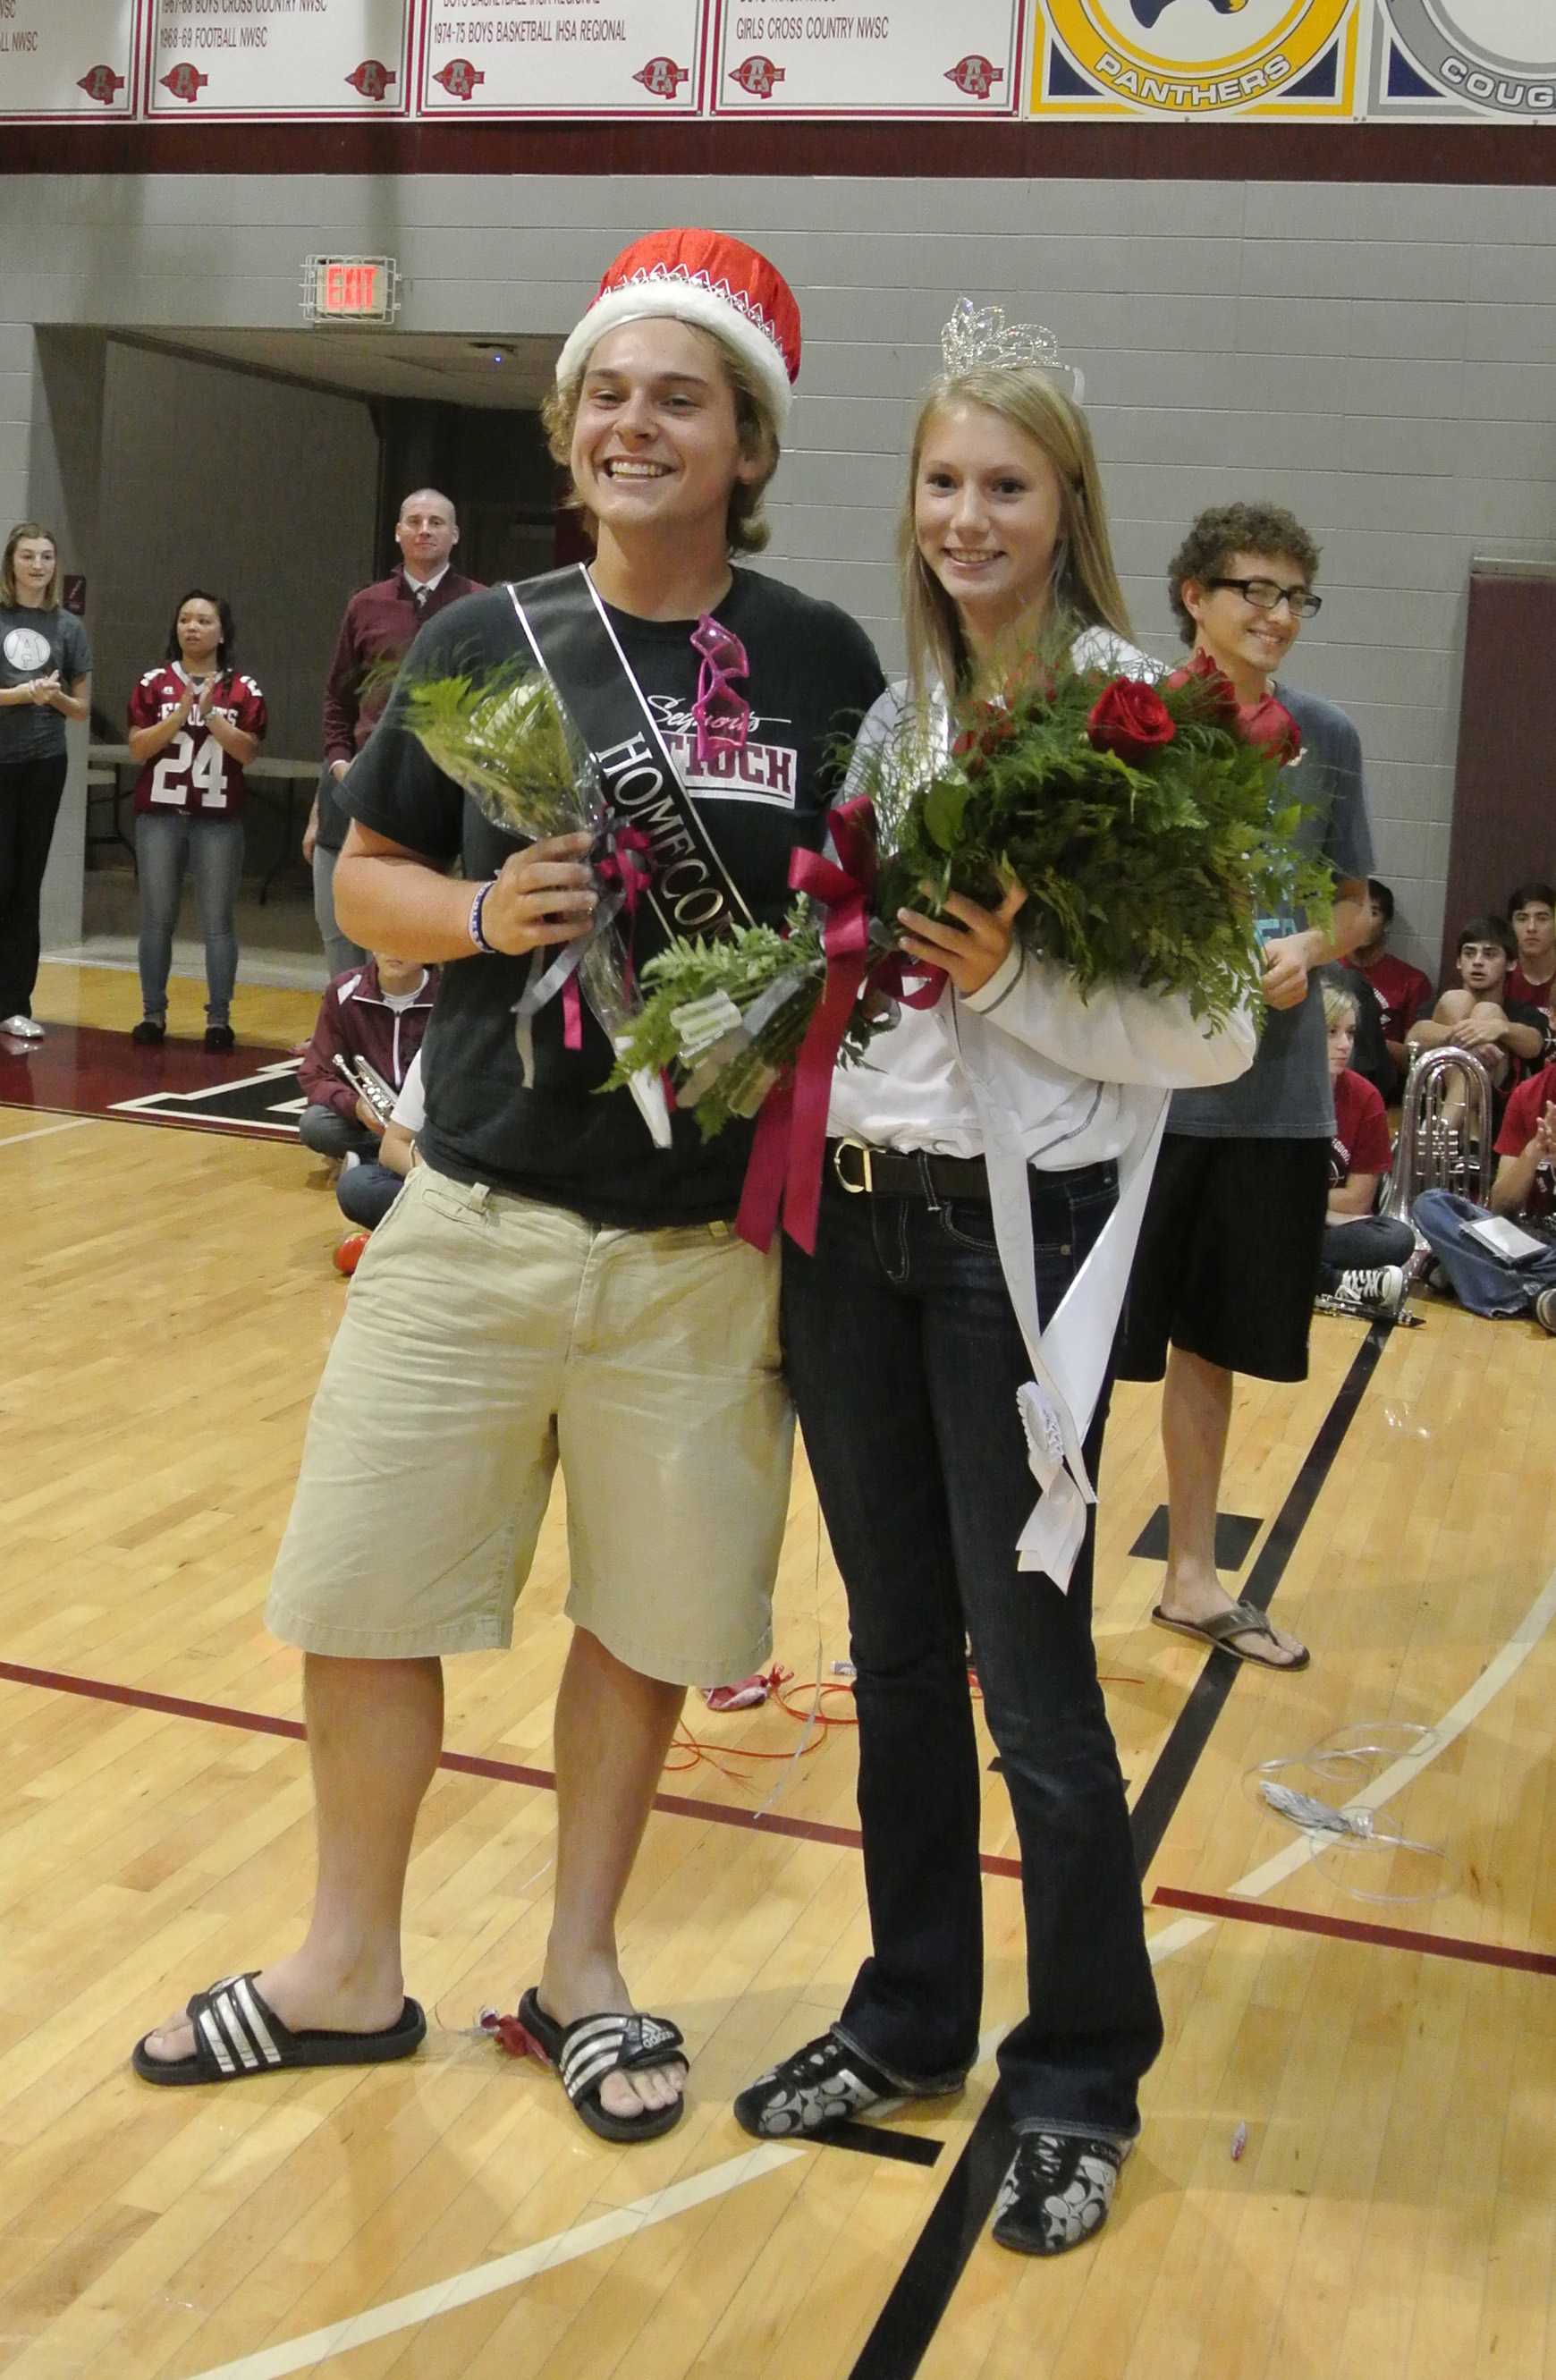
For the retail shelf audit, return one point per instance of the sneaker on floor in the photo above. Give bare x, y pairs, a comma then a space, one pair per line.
1379, 1293
1544, 1310
22, 1028
1058, 2192
824, 2083
150, 1033
220, 1037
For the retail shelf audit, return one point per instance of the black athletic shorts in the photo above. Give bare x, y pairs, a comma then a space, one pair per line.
1228, 1262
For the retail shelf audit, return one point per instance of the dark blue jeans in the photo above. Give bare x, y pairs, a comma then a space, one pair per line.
904, 1360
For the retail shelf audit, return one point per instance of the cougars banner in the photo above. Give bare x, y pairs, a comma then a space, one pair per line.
279, 58
904, 60
1188, 58
68, 57
1466, 58
563, 57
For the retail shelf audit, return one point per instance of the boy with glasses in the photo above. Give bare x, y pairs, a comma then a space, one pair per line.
1228, 1259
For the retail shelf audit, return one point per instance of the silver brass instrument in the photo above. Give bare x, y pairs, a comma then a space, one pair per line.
368, 1083
1444, 1143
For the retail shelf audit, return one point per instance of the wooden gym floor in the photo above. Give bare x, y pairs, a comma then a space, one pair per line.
1387, 2064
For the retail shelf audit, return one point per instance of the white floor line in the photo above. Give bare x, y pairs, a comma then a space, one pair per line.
1393, 1779
43, 1131
505, 2272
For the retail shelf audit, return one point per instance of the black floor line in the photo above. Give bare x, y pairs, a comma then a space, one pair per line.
879, 2139
911, 2315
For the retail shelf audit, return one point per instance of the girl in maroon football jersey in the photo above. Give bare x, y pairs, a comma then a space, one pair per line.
195, 724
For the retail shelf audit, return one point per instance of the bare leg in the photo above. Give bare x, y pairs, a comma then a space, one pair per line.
374, 1733
1196, 1413
613, 1728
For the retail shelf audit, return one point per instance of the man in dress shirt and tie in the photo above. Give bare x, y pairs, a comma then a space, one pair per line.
376, 629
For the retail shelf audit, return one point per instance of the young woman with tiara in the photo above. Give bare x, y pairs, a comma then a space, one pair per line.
986, 1172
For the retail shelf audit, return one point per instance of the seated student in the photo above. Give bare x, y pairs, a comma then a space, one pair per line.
1507, 1035
368, 1186
379, 1011
1369, 1055
1531, 910
1402, 992
1524, 1192
1364, 1253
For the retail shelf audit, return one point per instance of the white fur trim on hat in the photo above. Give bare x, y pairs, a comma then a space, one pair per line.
684, 302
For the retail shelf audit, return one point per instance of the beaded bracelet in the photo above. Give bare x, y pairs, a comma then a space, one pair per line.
477, 938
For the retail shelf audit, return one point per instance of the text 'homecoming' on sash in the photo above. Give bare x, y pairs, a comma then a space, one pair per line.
572, 639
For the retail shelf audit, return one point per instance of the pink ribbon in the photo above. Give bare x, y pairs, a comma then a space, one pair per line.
784, 1170
721, 717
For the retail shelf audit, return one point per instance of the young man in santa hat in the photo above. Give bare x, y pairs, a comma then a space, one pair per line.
551, 1287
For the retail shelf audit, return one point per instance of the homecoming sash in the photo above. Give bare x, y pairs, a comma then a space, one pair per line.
691, 891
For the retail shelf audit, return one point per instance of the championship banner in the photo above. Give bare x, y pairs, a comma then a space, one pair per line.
1468, 60
79, 59
563, 57
277, 59
1188, 59
905, 60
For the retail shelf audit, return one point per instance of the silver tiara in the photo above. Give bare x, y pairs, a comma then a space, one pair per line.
978, 336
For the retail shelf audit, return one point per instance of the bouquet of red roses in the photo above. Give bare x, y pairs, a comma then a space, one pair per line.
1145, 821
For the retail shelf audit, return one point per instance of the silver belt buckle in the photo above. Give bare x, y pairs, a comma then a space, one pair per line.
855, 1189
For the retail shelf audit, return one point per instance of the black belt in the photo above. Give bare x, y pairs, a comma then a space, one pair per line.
889, 1175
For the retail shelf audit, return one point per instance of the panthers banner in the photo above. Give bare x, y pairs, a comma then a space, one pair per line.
1195, 58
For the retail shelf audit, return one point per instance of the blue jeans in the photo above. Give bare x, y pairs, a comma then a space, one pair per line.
1484, 1282
366, 1192
210, 849
905, 1359
1364, 1246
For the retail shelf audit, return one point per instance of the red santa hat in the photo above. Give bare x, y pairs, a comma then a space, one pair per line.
715, 282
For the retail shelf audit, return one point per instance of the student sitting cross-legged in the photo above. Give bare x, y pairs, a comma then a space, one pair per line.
1512, 1279
1361, 1270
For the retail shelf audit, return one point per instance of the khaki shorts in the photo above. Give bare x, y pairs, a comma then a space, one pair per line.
487, 1338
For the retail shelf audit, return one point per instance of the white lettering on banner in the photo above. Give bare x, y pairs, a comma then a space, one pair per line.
563, 57
870, 62
77, 61
279, 58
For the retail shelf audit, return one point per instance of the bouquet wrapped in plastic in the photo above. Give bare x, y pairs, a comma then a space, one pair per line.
509, 742
1144, 821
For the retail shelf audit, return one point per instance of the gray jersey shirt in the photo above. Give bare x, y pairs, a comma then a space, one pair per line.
32, 642
1286, 1093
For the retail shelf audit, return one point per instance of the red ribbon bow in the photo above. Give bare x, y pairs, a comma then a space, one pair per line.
627, 860
787, 1155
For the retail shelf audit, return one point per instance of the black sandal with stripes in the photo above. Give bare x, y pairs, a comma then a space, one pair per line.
239, 2034
583, 2053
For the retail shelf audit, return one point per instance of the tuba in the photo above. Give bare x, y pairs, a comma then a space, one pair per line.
1444, 1143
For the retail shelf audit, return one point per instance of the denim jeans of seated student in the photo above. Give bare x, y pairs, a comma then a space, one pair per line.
905, 1359
1363, 1245
1484, 1282
210, 850
330, 1133
366, 1192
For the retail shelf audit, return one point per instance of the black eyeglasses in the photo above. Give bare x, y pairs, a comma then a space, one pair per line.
1265, 596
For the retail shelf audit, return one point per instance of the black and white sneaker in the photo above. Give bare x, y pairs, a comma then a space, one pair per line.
1378, 1295
1058, 2192
824, 2083
1544, 1310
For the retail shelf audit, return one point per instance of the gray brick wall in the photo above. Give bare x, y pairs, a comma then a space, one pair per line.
1383, 359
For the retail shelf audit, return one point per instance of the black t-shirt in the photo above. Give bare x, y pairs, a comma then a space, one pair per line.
813, 674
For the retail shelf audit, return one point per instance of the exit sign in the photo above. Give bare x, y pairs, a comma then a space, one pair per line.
351, 290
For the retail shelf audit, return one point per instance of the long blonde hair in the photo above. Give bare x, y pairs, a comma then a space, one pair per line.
7, 565
1086, 589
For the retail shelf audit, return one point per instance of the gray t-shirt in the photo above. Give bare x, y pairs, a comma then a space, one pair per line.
1286, 1093
33, 642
